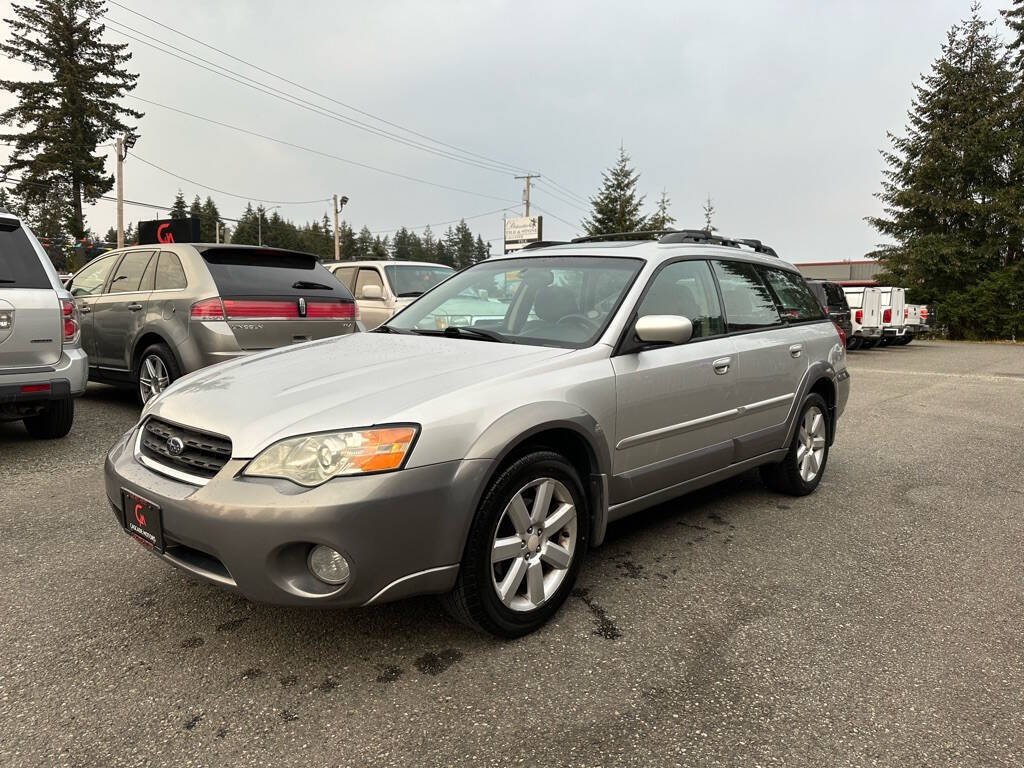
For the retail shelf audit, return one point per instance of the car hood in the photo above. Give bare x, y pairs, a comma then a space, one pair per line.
349, 381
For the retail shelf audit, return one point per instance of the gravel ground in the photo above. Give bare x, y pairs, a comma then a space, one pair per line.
876, 622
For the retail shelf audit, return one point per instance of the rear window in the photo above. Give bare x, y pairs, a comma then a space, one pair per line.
255, 272
19, 263
835, 294
795, 301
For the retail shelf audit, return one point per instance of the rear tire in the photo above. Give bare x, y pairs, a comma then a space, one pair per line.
907, 338
530, 551
868, 343
854, 343
53, 422
885, 341
799, 473
155, 370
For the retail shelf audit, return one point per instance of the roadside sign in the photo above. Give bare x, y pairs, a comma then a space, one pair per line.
169, 231
522, 231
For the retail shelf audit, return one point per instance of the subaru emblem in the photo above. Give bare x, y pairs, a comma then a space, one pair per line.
175, 446
302, 307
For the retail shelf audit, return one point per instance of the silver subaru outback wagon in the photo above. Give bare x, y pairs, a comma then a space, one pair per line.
482, 461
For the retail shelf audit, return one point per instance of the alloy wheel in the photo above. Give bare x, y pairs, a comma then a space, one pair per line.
810, 452
534, 544
153, 377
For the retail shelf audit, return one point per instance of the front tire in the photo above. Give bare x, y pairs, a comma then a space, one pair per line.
53, 421
800, 472
525, 547
155, 371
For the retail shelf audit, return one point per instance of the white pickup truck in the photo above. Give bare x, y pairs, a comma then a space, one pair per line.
915, 322
893, 304
865, 315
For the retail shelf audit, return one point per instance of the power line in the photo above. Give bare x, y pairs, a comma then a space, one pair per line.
549, 213
566, 190
229, 194
9, 179
317, 151
372, 116
549, 191
442, 223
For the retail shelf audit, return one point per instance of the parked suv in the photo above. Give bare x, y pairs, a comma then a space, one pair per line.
830, 295
482, 461
382, 288
42, 364
152, 313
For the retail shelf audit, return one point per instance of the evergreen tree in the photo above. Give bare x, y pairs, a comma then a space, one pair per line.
950, 207
209, 217
462, 246
110, 238
402, 245
661, 218
5, 200
1014, 18
245, 232
616, 207
62, 119
179, 210
346, 242
481, 250
709, 213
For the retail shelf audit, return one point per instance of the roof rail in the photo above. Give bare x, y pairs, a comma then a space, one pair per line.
648, 234
543, 244
698, 236
760, 247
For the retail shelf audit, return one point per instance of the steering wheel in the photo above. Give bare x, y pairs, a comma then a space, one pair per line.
582, 321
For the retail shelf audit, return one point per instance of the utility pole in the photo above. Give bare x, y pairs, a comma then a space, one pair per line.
335, 209
120, 194
216, 231
526, 190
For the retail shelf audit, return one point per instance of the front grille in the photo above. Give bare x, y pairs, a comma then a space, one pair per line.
203, 455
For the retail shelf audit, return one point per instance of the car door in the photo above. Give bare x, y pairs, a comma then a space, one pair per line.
374, 311
119, 314
86, 286
675, 404
769, 357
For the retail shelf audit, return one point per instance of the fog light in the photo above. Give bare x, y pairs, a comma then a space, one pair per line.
327, 565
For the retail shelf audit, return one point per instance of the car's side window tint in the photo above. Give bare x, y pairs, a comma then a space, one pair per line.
128, 276
795, 301
686, 288
748, 304
90, 280
345, 275
149, 276
368, 276
169, 274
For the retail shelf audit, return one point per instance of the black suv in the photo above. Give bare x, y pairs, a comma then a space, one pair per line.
833, 299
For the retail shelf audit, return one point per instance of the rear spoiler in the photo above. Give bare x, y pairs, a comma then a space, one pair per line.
9, 222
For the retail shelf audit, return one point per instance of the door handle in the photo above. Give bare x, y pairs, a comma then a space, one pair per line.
85, 309
721, 365
134, 307
796, 349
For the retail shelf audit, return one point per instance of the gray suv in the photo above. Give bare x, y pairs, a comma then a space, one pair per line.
152, 313
42, 364
482, 461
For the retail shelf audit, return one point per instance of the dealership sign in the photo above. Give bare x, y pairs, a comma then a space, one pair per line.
169, 231
522, 231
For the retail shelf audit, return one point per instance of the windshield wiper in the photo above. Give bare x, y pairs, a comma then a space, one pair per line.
389, 329
300, 284
411, 293
470, 330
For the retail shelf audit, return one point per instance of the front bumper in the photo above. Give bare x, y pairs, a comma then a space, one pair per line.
402, 532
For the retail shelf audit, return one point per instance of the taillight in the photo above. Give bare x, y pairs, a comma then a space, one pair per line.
906, 313
260, 309
859, 316
70, 314
842, 333
924, 313
208, 309
887, 315
333, 310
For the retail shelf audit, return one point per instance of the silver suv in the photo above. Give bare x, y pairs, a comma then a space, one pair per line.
481, 461
152, 313
42, 365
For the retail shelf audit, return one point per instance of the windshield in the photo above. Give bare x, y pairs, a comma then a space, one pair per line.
414, 279
561, 301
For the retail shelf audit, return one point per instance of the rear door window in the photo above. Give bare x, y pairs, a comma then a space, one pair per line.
256, 272
686, 288
169, 274
835, 294
128, 275
748, 304
19, 263
90, 280
795, 301
346, 276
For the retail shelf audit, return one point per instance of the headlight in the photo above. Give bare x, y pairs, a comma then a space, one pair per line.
311, 460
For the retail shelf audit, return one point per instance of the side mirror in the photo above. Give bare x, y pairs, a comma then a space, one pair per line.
664, 329
371, 292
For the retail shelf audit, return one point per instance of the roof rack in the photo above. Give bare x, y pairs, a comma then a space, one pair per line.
543, 244
648, 234
682, 236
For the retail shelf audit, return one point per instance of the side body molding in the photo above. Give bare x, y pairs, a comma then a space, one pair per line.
499, 439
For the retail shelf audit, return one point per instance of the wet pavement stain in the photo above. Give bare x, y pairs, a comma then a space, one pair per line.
287, 681
389, 673
328, 684
192, 642
252, 673
432, 663
222, 732
631, 569
231, 626
193, 721
604, 626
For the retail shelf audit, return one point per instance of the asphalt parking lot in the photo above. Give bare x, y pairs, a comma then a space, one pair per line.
877, 622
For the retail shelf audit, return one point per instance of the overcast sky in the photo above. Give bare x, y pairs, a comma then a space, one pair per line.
776, 110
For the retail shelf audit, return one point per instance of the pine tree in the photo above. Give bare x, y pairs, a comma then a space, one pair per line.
948, 190
5, 200
346, 242
209, 217
462, 249
179, 210
61, 120
1014, 18
661, 218
481, 250
709, 212
616, 207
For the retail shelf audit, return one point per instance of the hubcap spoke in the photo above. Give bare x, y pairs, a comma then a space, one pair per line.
535, 583
818, 442
801, 451
542, 501
506, 548
816, 423
561, 517
555, 555
510, 584
518, 514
